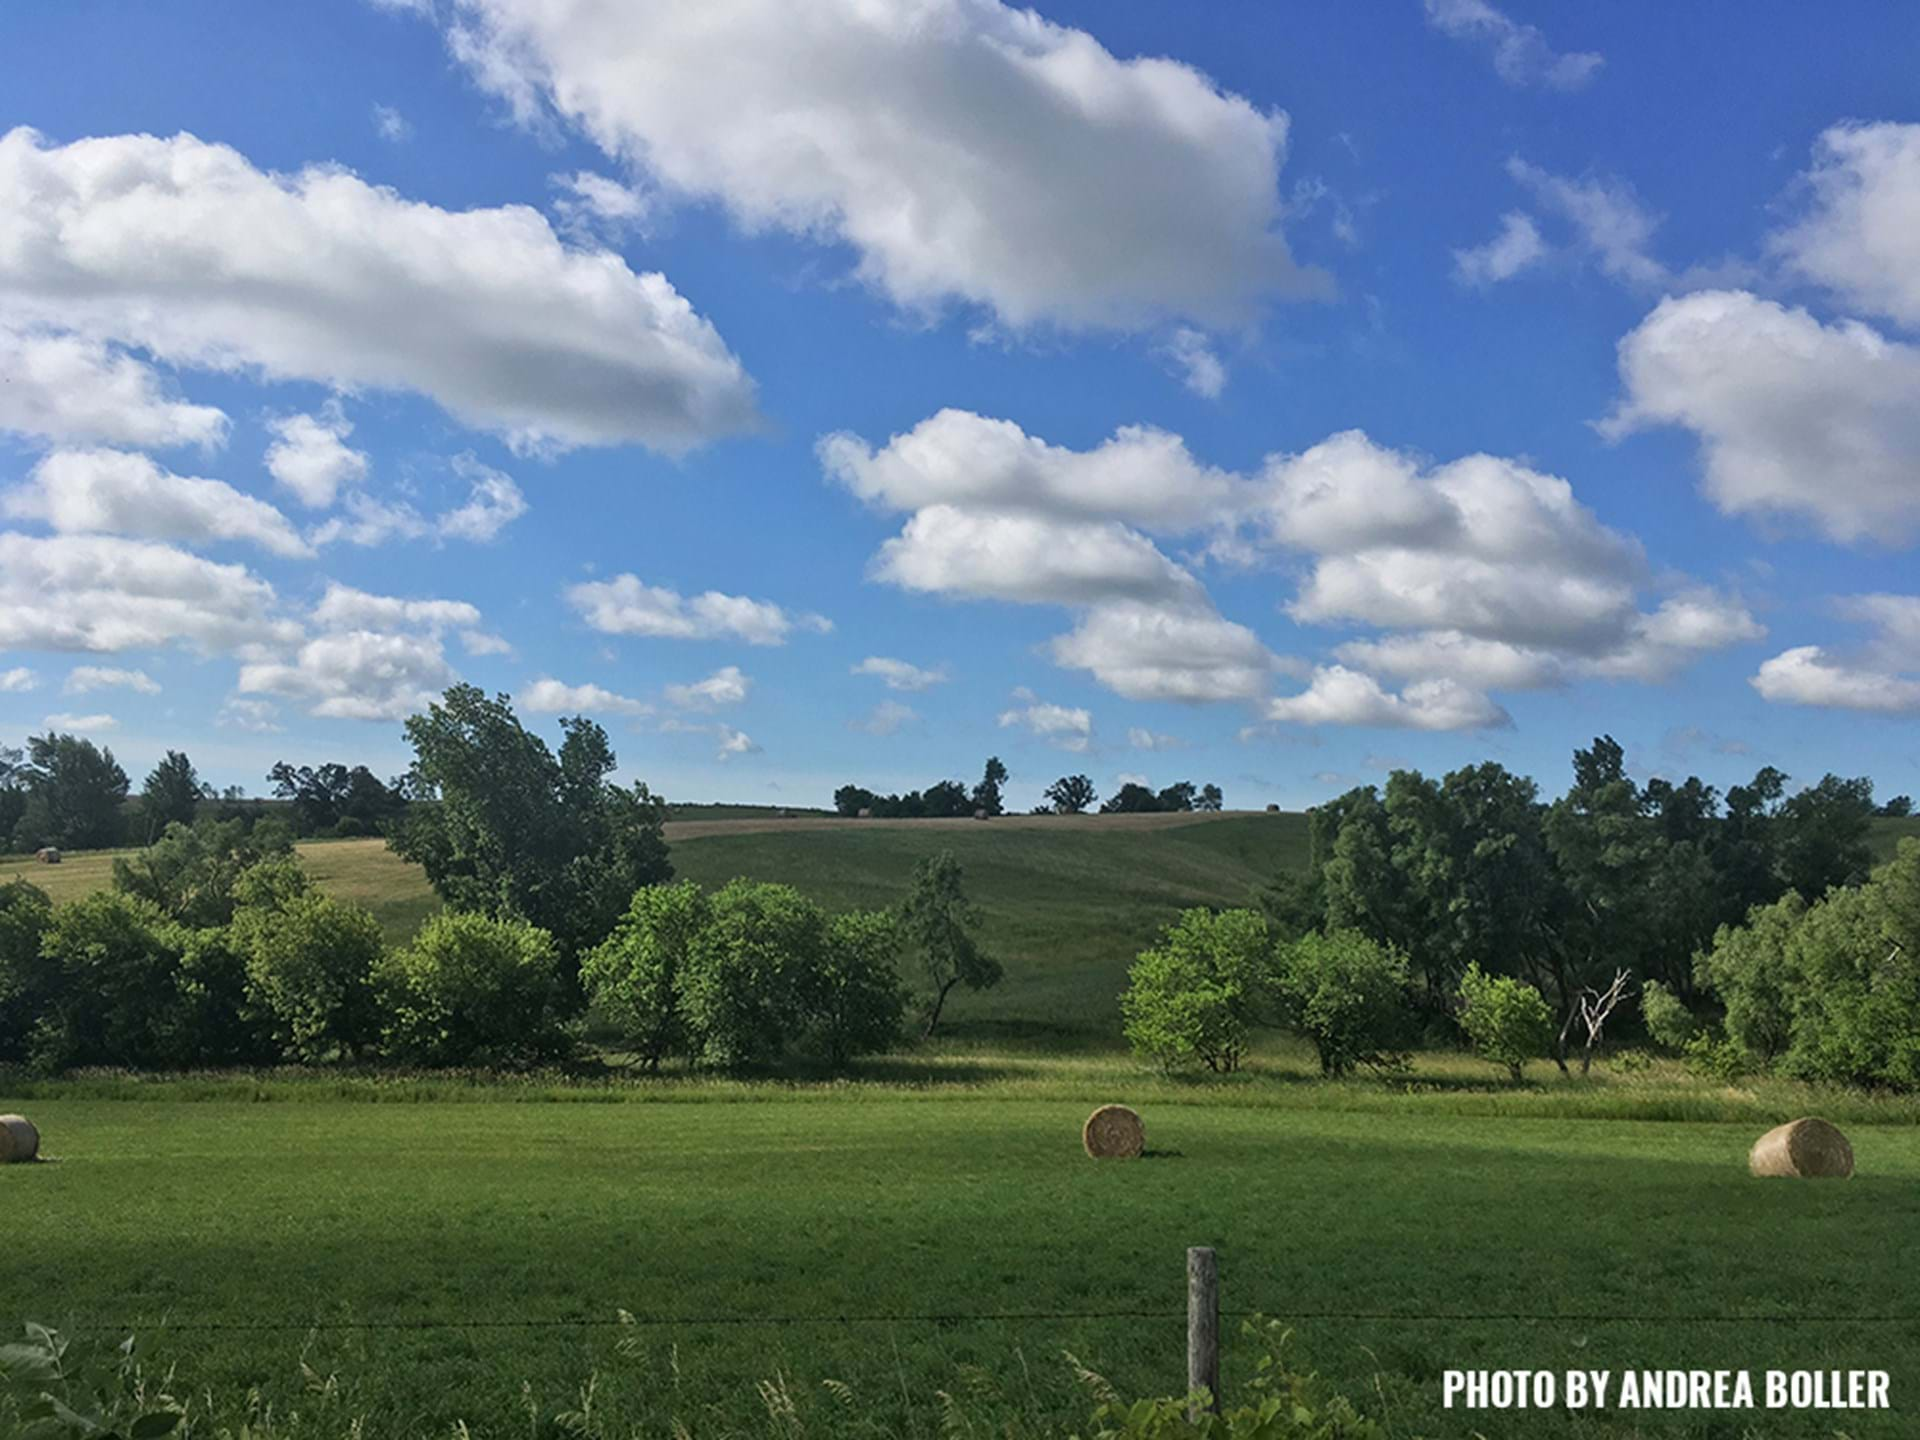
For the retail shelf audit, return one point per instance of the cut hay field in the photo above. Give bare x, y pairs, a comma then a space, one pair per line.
408, 1263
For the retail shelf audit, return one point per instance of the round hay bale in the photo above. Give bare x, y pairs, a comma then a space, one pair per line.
19, 1141
1113, 1132
1804, 1149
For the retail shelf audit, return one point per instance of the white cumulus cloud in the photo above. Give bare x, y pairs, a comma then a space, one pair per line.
626, 606
83, 678
1521, 54
899, 674
68, 390
116, 492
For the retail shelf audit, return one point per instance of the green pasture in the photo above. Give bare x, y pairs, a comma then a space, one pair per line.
408, 1264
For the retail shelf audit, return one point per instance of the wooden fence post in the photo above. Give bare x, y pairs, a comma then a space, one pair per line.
1203, 1327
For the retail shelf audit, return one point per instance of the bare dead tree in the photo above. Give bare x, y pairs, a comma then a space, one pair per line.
1591, 1008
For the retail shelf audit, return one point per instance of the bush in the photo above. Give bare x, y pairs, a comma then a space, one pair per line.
752, 974
471, 990
633, 978
216, 1024
1192, 999
26, 978
190, 871
1669, 1021
1347, 995
311, 962
1507, 1020
1751, 972
114, 996
1857, 1011
858, 1000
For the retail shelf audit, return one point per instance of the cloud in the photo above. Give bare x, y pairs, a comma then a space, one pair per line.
1031, 559
113, 492
1861, 234
1517, 247
899, 675
96, 593
369, 522
1191, 356
963, 149
1143, 739
1521, 54
1064, 727
547, 696
391, 125
625, 606
1807, 675
733, 742
493, 503
1151, 652
310, 457
1339, 696
18, 681
185, 249
596, 210
1613, 225
726, 686
257, 717
345, 608
885, 718
479, 642
356, 675
67, 390
1794, 418
80, 724
83, 678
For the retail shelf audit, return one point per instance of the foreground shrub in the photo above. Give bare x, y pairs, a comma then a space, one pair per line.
113, 992
470, 990
1347, 996
25, 976
311, 964
632, 980
752, 973
1193, 998
1669, 1021
858, 1000
1507, 1020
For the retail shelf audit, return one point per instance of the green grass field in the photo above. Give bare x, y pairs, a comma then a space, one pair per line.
413, 1252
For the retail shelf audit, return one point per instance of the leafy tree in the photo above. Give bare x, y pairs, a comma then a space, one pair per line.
633, 977
471, 990
857, 996
13, 791
171, 793
1178, 796
751, 976
521, 832
336, 799
1750, 970
75, 791
216, 1022
1071, 794
190, 871
939, 924
311, 966
27, 978
852, 799
986, 795
115, 985
1193, 998
1210, 799
947, 799
1669, 1021
1347, 996
1130, 799
1508, 1021
1898, 808
1823, 836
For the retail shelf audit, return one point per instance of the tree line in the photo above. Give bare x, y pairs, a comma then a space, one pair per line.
1069, 795
213, 947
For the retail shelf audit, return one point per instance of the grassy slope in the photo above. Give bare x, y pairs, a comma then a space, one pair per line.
952, 1201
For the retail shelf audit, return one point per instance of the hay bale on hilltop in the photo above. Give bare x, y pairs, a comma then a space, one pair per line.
1804, 1149
19, 1140
1113, 1132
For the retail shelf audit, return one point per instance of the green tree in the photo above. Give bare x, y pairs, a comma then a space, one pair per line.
75, 794
190, 871
986, 795
27, 979
1507, 1020
1346, 995
1130, 799
311, 964
217, 1024
751, 978
472, 990
115, 996
857, 997
170, 794
1071, 794
1823, 836
521, 832
13, 792
1210, 798
940, 923
1193, 998
1750, 969
633, 977
1898, 808
340, 800
1669, 1021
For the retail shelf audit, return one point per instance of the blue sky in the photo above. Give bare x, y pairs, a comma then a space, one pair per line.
1264, 394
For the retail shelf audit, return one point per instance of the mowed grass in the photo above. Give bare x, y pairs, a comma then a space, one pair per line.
414, 1257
